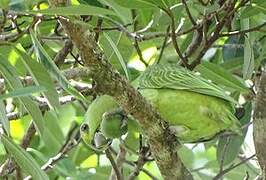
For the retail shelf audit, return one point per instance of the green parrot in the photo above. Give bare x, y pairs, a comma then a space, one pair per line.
196, 109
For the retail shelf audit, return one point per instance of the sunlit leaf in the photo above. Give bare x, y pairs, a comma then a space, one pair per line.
76, 10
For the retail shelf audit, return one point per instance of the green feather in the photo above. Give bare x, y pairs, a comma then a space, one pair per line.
173, 76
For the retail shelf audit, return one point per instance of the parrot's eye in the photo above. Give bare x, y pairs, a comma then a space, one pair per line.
84, 127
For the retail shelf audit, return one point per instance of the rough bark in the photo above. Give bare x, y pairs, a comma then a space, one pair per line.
259, 123
109, 81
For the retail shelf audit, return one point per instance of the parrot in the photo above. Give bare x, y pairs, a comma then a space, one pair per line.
196, 109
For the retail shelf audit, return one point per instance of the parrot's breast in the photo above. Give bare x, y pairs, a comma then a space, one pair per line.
196, 117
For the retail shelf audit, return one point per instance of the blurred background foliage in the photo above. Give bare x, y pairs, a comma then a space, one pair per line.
132, 35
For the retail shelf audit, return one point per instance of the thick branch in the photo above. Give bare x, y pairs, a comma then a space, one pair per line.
259, 124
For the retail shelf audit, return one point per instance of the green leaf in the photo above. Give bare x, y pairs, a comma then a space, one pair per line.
234, 142
41, 77
11, 77
56, 136
137, 4
248, 66
221, 76
25, 91
3, 118
255, 9
24, 159
233, 65
158, 3
76, 10
119, 56
123, 13
53, 69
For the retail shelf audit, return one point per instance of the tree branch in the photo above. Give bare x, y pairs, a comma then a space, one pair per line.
259, 122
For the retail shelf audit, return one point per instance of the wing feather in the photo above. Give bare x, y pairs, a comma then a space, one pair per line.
176, 77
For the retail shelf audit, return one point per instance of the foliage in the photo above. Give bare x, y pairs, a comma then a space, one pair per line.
43, 81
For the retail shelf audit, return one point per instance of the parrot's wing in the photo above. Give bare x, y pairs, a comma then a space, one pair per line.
176, 77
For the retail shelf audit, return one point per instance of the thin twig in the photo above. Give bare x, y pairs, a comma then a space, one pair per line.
114, 165
257, 28
136, 45
69, 144
62, 54
119, 161
162, 34
147, 172
216, 34
98, 28
188, 13
164, 45
173, 36
225, 171
140, 163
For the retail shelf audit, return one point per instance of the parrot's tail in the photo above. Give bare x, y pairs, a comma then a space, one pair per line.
235, 126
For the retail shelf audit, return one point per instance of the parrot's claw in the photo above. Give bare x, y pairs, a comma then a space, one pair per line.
101, 143
117, 111
179, 130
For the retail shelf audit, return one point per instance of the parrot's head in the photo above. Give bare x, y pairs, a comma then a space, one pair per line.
96, 141
85, 133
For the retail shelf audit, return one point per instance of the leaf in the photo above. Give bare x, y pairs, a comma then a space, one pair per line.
52, 125
25, 91
233, 64
119, 56
76, 10
248, 66
24, 159
233, 48
137, 4
11, 77
221, 76
3, 118
123, 13
235, 142
53, 69
255, 9
40, 77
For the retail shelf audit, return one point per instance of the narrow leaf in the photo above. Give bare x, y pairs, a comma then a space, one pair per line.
137, 4
235, 142
3, 118
53, 69
118, 54
25, 91
11, 77
248, 65
24, 159
221, 76
40, 77
76, 10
